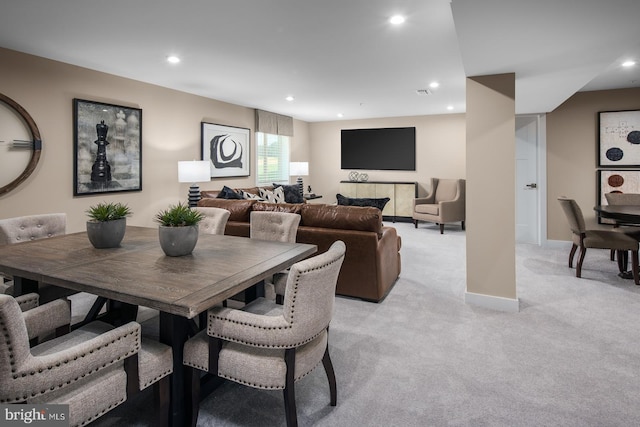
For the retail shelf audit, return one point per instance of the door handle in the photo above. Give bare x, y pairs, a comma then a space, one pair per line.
532, 185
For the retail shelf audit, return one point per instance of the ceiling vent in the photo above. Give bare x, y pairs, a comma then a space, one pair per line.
423, 92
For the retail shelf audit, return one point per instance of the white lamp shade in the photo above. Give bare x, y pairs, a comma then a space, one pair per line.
194, 171
298, 168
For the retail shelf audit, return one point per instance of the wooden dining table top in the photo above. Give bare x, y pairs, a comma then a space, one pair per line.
139, 273
629, 214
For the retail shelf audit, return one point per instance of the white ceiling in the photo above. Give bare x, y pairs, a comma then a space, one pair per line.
339, 56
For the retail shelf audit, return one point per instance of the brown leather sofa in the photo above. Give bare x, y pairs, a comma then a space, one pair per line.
372, 261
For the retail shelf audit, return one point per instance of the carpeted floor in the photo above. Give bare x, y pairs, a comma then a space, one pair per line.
422, 357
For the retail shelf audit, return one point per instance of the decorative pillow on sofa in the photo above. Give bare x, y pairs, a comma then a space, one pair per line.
376, 203
291, 193
228, 193
250, 196
275, 196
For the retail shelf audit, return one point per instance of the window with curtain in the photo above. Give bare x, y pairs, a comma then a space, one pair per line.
273, 159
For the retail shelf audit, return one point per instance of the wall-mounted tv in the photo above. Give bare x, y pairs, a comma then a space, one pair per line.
379, 149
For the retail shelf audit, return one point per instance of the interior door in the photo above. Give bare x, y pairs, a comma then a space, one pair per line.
527, 179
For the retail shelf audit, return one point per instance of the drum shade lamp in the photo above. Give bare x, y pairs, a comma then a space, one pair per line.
194, 171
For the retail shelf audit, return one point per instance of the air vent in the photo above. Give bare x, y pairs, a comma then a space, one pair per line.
423, 92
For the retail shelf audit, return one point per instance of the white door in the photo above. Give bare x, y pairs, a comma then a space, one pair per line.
527, 179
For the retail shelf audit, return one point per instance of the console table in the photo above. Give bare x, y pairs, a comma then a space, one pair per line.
400, 194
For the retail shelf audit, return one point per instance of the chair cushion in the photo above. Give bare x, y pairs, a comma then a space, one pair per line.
428, 209
349, 201
607, 239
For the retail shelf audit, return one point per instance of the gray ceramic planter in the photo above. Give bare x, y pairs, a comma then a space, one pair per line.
178, 241
106, 234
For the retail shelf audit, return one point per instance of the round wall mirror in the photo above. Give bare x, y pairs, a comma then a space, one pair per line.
20, 144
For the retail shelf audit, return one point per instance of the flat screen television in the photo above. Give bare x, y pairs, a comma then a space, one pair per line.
379, 149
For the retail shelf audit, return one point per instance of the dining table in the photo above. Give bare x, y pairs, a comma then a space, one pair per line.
626, 214
138, 273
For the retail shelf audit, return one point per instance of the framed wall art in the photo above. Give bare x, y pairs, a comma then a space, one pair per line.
227, 149
616, 181
619, 142
107, 148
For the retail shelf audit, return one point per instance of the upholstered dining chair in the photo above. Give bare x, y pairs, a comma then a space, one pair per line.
624, 199
214, 221
599, 239
279, 227
92, 369
270, 346
42, 321
444, 204
33, 227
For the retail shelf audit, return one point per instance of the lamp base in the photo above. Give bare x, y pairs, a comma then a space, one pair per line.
300, 186
194, 195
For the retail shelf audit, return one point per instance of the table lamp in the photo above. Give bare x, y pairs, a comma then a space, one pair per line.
299, 169
194, 171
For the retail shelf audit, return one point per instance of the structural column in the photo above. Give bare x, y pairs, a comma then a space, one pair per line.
490, 197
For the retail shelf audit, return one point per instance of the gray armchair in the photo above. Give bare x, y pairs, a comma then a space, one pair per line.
93, 369
279, 227
270, 346
444, 204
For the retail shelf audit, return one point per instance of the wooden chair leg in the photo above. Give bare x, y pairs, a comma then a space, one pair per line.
441, 228
161, 396
415, 222
583, 251
572, 254
279, 299
612, 255
192, 397
634, 266
331, 376
623, 260
463, 225
289, 389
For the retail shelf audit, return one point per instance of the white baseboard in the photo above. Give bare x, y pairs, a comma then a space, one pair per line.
492, 302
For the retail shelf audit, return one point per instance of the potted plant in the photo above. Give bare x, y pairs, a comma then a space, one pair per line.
178, 231
107, 224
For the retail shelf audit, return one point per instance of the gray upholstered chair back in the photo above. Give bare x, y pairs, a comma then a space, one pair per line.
623, 198
32, 227
310, 293
276, 226
14, 339
214, 221
573, 214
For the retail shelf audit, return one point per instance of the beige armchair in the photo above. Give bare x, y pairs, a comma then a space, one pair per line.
444, 204
92, 369
270, 346
279, 227
599, 239
33, 227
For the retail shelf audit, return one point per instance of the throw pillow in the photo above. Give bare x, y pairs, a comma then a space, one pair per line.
376, 203
228, 193
275, 196
250, 196
291, 193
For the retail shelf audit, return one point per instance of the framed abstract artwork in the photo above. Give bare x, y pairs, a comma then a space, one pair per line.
227, 149
107, 148
616, 181
619, 142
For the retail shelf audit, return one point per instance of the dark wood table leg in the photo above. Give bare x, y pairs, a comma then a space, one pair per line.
255, 291
174, 331
23, 286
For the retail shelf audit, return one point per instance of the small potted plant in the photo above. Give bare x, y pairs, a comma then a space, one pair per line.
178, 231
107, 224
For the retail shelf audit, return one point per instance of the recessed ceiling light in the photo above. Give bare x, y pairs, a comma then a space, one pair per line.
397, 19
629, 63
340, 115
173, 59
289, 98
449, 107
434, 85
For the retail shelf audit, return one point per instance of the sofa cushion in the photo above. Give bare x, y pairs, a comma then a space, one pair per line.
275, 196
376, 203
228, 193
291, 193
426, 208
239, 209
360, 218
278, 207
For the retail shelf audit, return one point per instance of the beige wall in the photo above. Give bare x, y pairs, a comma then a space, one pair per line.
572, 144
170, 132
491, 184
440, 151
